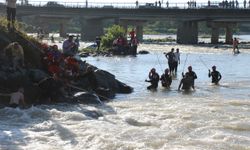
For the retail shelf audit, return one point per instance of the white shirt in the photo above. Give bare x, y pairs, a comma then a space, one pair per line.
16, 97
11, 3
176, 57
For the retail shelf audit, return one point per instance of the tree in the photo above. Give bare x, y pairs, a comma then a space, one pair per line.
111, 34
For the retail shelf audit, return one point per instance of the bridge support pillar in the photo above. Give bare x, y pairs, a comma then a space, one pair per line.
139, 32
215, 35
228, 26
63, 32
187, 32
229, 35
91, 28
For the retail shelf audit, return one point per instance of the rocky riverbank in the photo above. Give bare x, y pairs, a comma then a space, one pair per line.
33, 72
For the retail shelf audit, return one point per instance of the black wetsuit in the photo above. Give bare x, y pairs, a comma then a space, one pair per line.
166, 80
154, 79
216, 76
170, 56
187, 83
193, 76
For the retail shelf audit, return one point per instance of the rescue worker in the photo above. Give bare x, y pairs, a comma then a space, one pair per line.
166, 79
153, 79
216, 76
191, 74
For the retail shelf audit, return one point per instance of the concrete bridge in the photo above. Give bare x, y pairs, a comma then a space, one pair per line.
91, 19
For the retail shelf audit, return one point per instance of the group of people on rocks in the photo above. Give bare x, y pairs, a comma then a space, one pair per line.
187, 81
123, 46
63, 69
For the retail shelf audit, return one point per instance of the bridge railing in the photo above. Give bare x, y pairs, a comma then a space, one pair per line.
165, 5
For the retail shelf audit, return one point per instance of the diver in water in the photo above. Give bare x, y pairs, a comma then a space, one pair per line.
166, 79
186, 83
191, 74
216, 76
153, 79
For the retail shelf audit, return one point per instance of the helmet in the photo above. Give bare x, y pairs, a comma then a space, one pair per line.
55, 47
214, 67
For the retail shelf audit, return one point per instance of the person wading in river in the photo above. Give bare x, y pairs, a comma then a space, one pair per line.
176, 60
191, 74
236, 46
170, 56
166, 79
216, 76
153, 79
186, 83
16, 98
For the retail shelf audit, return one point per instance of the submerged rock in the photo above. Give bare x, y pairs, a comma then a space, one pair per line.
143, 52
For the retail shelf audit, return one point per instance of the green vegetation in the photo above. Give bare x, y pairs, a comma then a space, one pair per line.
111, 34
19, 26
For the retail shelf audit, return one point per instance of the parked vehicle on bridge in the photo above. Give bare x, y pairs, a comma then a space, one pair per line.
53, 4
108, 6
211, 7
148, 5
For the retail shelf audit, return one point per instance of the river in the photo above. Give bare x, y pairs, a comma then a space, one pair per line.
209, 118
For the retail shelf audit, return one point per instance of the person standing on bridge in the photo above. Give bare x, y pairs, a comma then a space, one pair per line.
11, 12
245, 3
86, 3
237, 4
159, 3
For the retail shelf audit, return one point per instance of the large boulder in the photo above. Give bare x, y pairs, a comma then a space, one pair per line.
11, 80
32, 52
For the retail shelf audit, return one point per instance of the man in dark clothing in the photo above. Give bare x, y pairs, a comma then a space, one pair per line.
11, 12
166, 79
186, 83
153, 79
98, 42
216, 76
170, 56
191, 74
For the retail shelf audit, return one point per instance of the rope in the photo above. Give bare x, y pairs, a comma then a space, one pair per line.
185, 62
203, 62
159, 62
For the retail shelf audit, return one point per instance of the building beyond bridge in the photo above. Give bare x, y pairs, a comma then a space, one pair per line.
91, 19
